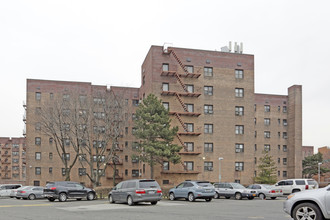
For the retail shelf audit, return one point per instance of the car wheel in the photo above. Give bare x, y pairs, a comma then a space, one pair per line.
217, 196
62, 197
191, 197
273, 198
51, 199
130, 201
295, 190
32, 197
227, 197
90, 196
238, 196
307, 211
79, 199
111, 199
262, 196
154, 203
208, 199
172, 197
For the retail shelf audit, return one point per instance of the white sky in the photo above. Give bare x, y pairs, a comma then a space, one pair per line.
105, 42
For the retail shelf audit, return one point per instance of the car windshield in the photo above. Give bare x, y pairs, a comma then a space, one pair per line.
204, 184
148, 184
237, 186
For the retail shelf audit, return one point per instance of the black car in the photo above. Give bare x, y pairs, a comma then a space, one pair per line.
67, 190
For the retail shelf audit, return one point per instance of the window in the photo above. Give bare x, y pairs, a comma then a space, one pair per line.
239, 129
166, 87
166, 105
135, 173
66, 156
208, 147
278, 173
279, 121
38, 126
285, 174
38, 96
135, 159
208, 128
189, 146
126, 158
285, 135
51, 95
267, 147
190, 69
66, 141
82, 171
255, 147
208, 109
284, 161
208, 71
208, 90
38, 141
50, 156
38, 170
239, 166
165, 67
50, 170
285, 122
239, 92
278, 160
279, 134
135, 146
267, 134
255, 160
189, 127
267, 121
279, 147
135, 102
38, 156
208, 166
126, 172
190, 88
255, 121
239, 74
285, 148
239, 148
284, 109
189, 165
239, 110
38, 111
51, 140
278, 108
267, 108
66, 97
166, 165
190, 107
166, 182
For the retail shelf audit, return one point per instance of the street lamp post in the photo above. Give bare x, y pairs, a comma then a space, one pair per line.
318, 171
220, 158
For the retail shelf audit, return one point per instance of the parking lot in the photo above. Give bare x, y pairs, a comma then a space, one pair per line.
13, 209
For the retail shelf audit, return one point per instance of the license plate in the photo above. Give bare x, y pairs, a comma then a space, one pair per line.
207, 190
151, 192
254, 195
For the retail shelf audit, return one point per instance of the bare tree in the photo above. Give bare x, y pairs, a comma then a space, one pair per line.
87, 126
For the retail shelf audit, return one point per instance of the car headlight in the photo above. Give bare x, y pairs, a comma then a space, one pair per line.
290, 196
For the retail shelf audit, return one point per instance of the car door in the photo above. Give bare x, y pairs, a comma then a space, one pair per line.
229, 190
178, 192
186, 189
116, 192
38, 191
222, 189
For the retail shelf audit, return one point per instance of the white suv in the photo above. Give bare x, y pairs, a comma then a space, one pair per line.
296, 185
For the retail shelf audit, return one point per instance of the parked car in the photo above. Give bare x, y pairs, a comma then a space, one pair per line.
5, 189
135, 191
296, 185
30, 192
191, 190
14, 192
266, 191
235, 190
309, 204
67, 190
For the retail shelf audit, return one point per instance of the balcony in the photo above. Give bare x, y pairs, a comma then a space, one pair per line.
193, 114
117, 162
5, 162
186, 152
185, 94
184, 75
6, 155
189, 133
180, 172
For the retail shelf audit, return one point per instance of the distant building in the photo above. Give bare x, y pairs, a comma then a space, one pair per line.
210, 97
12, 157
307, 151
325, 151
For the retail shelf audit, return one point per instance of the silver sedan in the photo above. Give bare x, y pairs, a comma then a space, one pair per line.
30, 192
266, 191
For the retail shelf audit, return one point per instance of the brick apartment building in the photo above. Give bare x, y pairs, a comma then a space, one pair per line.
210, 96
12, 157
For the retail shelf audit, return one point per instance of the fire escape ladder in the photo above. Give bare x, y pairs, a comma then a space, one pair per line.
184, 166
179, 61
180, 81
181, 102
181, 121
182, 143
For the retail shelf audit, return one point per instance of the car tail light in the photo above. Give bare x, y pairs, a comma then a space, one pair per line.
140, 191
159, 191
272, 191
52, 188
306, 187
281, 191
23, 191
